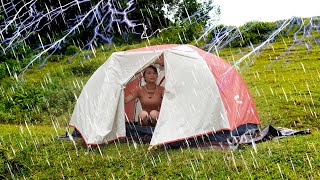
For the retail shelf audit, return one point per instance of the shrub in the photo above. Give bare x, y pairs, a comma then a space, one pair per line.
251, 33
36, 102
3, 70
71, 50
56, 58
85, 69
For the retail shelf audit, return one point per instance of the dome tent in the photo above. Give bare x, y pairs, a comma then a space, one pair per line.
203, 95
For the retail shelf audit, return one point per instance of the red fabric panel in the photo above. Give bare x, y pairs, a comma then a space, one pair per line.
235, 95
153, 48
129, 107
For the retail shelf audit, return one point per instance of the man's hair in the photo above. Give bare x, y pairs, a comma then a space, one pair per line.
152, 67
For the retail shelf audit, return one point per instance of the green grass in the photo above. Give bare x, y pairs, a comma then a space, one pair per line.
35, 152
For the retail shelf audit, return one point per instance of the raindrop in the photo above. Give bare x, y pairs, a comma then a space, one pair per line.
309, 162
234, 162
12, 175
13, 151
280, 170
194, 171
48, 162
285, 95
255, 163
292, 166
245, 164
304, 70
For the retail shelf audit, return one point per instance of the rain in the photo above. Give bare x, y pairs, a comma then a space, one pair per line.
50, 49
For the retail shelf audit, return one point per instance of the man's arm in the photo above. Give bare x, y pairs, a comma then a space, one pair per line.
129, 98
160, 60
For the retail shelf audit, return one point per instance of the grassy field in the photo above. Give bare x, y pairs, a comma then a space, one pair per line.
285, 88
35, 152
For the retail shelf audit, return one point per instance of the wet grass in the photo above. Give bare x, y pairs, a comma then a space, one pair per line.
35, 152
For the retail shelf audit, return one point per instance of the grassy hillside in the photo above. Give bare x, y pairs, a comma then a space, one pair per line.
284, 84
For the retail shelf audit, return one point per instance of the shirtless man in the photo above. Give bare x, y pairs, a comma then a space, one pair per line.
150, 96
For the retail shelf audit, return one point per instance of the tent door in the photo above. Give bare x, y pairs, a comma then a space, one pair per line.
137, 106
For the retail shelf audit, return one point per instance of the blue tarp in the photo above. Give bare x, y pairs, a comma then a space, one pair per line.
245, 134
142, 133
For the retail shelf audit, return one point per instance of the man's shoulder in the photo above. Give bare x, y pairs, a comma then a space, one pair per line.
161, 88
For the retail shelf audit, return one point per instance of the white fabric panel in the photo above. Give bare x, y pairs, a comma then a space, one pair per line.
133, 62
99, 111
192, 104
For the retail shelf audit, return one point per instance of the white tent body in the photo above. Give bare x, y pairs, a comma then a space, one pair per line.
99, 112
191, 99
191, 104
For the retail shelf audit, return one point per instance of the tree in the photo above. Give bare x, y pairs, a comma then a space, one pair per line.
49, 27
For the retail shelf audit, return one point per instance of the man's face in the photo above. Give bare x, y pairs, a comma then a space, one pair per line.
150, 75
